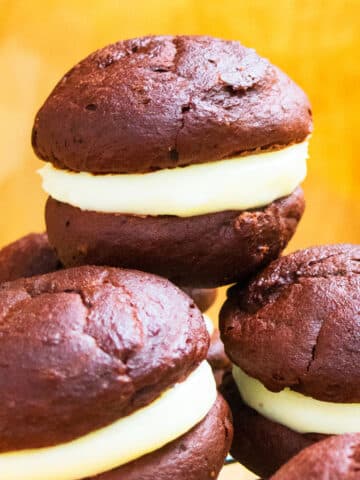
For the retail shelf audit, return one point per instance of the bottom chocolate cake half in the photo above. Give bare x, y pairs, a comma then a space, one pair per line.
189, 251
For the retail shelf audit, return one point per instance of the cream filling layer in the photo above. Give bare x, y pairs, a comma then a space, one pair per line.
173, 414
296, 411
234, 184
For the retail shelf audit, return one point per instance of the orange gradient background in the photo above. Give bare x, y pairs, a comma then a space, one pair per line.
316, 43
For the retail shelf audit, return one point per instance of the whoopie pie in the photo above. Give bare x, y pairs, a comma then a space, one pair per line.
103, 376
336, 458
33, 255
177, 155
293, 335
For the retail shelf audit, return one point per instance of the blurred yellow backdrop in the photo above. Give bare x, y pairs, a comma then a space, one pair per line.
316, 42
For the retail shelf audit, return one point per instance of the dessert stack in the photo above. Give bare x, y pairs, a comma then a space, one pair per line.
178, 157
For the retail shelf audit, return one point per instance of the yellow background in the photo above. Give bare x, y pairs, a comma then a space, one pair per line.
317, 42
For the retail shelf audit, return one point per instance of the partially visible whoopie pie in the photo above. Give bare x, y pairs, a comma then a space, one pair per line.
293, 335
33, 255
336, 458
103, 375
178, 155
28, 256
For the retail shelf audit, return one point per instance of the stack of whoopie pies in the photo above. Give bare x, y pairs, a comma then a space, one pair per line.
178, 156
181, 156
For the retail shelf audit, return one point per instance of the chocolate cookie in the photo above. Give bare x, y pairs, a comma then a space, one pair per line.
198, 455
81, 348
28, 256
162, 102
336, 458
202, 251
295, 326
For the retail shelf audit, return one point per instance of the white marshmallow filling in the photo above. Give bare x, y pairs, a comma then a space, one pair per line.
239, 183
169, 417
298, 412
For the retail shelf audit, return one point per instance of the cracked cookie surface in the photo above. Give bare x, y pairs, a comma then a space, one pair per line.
167, 101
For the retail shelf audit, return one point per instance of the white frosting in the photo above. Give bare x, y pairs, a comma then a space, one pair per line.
172, 415
298, 412
234, 184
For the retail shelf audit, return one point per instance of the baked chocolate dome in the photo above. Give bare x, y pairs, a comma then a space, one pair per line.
296, 324
167, 101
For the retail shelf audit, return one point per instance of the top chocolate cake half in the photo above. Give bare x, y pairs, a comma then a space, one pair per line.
178, 155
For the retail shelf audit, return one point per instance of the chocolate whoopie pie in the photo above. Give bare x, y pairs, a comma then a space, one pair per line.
106, 365
293, 335
336, 458
178, 155
33, 255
